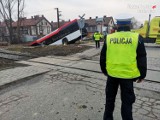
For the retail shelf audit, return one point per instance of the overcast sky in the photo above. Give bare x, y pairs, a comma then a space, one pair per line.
71, 9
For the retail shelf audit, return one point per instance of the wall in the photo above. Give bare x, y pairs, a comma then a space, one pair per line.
43, 27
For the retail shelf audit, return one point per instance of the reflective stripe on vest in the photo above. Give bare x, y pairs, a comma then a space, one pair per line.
121, 55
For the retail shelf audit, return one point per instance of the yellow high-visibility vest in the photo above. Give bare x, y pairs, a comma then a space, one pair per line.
121, 55
97, 36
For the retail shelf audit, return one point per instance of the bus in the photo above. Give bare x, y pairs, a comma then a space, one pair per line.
66, 34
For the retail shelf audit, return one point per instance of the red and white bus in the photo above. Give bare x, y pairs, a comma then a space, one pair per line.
68, 33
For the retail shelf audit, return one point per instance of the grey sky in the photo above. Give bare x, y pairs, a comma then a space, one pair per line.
71, 9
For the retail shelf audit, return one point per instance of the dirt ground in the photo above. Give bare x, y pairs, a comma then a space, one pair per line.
6, 64
57, 50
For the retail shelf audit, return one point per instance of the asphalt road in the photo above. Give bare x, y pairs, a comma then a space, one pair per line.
70, 94
53, 96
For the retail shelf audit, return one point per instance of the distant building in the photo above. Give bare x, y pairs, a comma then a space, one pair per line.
40, 26
34, 26
104, 24
3, 28
3, 31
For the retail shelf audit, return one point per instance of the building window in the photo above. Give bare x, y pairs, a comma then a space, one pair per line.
40, 28
48, 29
88, 29
24, 30
91, 29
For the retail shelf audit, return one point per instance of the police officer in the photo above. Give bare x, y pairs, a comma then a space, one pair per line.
97, 38
123, 61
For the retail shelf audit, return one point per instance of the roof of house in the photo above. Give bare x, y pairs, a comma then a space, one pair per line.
90, 22
100, 19
2, 24
36, 19
108, 19
93, 22
26, 22
30, 22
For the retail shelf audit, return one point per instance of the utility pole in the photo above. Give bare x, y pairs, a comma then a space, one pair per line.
147, 35
58, 16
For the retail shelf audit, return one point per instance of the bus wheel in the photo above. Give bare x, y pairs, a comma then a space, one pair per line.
65, 41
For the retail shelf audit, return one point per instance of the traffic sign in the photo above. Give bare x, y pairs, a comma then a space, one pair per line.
81, 23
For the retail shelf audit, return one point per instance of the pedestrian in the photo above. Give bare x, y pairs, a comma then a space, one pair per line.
123, 60
97, 38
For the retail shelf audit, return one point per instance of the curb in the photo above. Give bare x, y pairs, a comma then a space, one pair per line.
17, 81
152, 45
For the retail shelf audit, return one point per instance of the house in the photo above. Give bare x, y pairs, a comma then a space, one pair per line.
103, 24
3, 31
35, 26
91, 25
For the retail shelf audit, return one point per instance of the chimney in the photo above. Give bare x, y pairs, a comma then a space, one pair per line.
42, 15
63, 21
22, 18
104, 16
96, 17
36, 16
90, 18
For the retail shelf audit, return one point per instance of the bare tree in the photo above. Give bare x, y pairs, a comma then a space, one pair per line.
1, 17
6, 9
20, 9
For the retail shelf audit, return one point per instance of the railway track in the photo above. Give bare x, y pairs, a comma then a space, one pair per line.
15, 56
20, 56
148, 80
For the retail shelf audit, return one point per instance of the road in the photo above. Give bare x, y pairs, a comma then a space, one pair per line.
73, 89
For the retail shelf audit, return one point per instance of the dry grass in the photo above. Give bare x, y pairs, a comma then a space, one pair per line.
57, 50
